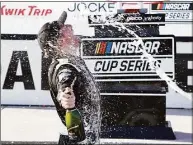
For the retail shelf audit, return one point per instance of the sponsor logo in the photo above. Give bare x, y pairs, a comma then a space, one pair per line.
172, 6
134, 18
152, 18
174, 11
127, 18
103, 48
145, 18
92, 7
28, 11
118, 57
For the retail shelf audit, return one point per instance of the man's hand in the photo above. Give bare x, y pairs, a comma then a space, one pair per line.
66, 98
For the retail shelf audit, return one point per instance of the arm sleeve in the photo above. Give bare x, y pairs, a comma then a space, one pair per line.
65, 77
60, 76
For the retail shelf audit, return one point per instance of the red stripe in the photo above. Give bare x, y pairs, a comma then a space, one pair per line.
102, 49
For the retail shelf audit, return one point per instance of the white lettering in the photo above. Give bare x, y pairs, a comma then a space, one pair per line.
115, 47
177, 6
133, 47
153, 18
134, 18
123, 48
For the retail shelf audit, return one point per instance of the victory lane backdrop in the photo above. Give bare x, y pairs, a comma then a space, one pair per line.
24, 69
21, 70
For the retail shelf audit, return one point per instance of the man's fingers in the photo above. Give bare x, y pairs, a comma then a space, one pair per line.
68, 99
63, 17
67, 105
67, 102
68, 91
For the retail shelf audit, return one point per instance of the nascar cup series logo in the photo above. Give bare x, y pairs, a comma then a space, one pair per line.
174, 11
118, 57
125, 47
172, 6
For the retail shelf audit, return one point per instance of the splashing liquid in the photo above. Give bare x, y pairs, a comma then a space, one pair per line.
113, 22
91, 109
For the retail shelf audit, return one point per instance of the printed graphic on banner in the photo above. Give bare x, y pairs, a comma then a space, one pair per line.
118, 57
127, 18
178, 12
92, 7
30, 10
129, 47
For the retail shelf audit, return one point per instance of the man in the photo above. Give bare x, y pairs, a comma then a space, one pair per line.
58, 42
